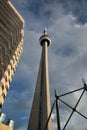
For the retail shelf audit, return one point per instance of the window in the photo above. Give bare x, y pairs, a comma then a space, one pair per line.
7, 59
6, 44
9, 81
8, 71
4, 65
6, 88
2, 85
3, 95
0, 74
5, 78
0, 105
3, 51
9, 52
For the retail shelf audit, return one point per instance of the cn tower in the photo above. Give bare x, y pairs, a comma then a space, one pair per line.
41, 103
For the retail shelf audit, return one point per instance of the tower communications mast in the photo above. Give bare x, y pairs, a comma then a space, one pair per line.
41, 103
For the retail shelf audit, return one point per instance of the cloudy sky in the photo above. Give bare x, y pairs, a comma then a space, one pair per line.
66, 21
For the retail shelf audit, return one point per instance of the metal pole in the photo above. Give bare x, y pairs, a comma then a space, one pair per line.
49, 116
57, 112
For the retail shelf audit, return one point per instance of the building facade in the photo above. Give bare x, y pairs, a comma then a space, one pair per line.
41, 103
11, 42
5, 127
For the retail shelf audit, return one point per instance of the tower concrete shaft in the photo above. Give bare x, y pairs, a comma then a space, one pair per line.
41, 102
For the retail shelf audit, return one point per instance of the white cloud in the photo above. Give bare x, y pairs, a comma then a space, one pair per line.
68, 69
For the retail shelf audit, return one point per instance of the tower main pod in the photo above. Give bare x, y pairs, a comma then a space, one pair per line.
41, 102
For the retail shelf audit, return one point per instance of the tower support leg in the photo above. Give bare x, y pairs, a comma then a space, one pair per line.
57, 112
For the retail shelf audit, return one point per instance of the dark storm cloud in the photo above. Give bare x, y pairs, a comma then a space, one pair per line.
77, 7
35, 11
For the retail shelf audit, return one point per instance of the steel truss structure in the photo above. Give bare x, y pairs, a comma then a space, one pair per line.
73, 109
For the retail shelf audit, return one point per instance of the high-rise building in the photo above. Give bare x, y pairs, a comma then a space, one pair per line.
11, 42
41, 103
6, 126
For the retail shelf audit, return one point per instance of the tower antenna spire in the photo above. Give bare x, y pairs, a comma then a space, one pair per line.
45, 31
